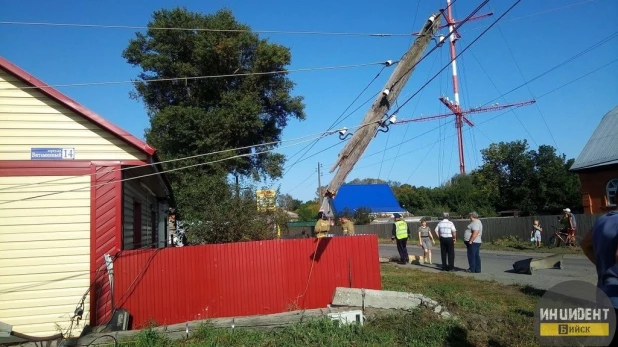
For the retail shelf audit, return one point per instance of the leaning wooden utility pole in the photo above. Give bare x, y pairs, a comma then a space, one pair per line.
359, 141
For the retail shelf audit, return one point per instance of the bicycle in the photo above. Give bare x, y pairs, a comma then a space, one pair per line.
561, 236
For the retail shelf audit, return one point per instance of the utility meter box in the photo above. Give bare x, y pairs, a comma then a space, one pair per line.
348, 317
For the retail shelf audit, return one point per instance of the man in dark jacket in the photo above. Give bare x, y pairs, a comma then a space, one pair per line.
601, 246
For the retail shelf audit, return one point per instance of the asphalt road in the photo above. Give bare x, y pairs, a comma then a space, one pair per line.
496, 265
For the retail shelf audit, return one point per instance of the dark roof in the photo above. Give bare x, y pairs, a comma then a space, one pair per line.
74, 106
602, 147
378, 197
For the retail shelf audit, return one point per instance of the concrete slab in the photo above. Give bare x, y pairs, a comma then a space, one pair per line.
528, 265
375, 299
553, 261
348, 297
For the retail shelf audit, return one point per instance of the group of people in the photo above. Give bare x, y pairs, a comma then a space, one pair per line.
447, 235
569, 227
322, 226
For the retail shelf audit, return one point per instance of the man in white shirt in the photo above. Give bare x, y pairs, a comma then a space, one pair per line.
446, 232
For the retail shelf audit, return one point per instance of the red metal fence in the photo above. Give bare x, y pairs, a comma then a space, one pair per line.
174, 285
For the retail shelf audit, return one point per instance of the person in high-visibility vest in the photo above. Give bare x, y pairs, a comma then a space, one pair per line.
401, 233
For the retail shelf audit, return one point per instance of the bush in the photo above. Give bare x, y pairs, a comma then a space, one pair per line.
511, 241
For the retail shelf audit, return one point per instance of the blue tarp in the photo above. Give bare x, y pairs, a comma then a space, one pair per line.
378, 197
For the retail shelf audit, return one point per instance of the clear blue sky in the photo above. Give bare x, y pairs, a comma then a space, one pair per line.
60, 55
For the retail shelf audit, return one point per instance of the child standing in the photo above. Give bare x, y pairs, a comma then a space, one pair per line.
424, 235
536, 233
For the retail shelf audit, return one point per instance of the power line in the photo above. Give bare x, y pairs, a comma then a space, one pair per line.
492, 118
498, 90
578, 78
150, 174
421, 162
136, 27
534, 14
303, 181
413, 112
188, 78
559, 65
285, 32
169, 170
521, 73
430, 51
335, 122
311, 136
460, 53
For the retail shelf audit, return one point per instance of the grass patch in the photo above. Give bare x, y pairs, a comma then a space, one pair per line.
415, 328
488, 314
510, 244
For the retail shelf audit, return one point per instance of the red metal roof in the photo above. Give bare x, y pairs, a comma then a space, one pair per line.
76, 107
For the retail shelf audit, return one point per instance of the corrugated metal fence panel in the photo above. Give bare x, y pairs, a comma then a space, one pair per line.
106, 221
493, 228
174, 285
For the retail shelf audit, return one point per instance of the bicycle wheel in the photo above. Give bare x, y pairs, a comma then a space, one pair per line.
552, 242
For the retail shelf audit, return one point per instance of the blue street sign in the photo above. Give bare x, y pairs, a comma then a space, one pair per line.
52, 153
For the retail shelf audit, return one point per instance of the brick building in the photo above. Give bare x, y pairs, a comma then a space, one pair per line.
597, 166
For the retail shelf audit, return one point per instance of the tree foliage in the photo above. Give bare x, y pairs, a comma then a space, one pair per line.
191, 115
512, 177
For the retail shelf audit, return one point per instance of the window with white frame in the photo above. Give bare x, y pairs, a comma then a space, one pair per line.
612, 188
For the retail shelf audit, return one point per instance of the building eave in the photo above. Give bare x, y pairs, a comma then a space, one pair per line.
75, 106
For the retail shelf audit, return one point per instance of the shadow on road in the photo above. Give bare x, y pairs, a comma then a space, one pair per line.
531, 291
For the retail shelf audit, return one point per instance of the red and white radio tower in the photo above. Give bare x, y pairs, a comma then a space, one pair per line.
454, 106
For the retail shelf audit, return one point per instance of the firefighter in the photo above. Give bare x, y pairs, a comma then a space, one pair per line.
322, 227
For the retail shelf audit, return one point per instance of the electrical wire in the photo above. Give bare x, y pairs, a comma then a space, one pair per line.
164, 171
559, 65
498, 90
427, 54
336, 120
421, 162
521, 73
285, 32
534, 14
191, 78
315, 253
303, 181
150, 174
543, 95
107, 335
310, 136
405, 134
460, 53
135, 27
492, 118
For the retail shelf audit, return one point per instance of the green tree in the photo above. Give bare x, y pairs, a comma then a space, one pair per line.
287, 202
557, 187
199, 115
308, 211
514, 177
192, 115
